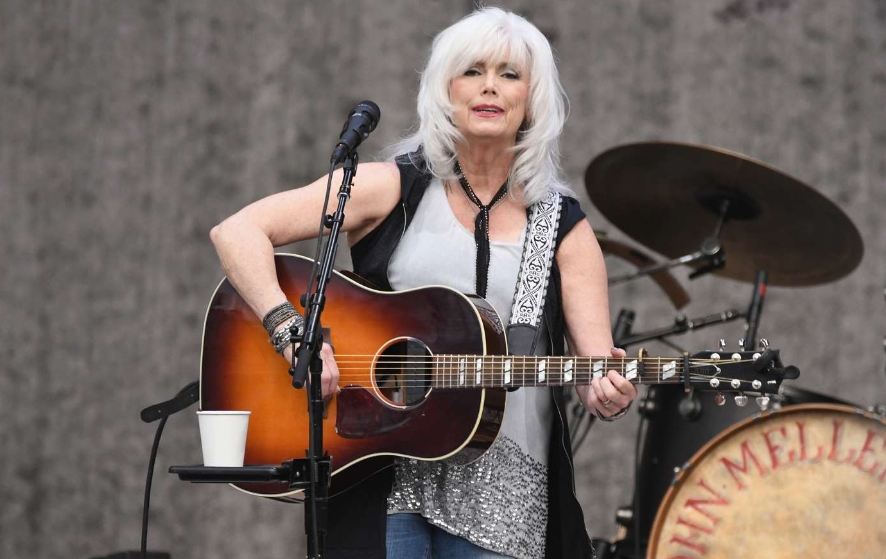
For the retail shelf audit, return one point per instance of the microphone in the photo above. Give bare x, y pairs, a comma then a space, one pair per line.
755, 308
362, 120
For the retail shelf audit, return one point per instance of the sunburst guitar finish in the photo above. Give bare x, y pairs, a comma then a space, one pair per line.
388, 406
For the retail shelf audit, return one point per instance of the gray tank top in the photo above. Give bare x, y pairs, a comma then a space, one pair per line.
500, 501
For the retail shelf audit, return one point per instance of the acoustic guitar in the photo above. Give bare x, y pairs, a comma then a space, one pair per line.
423, 375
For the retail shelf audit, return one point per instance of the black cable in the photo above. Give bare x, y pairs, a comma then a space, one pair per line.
588, 419
152, 413
312, 464
636, 503
319, 238
147, 503
577, 414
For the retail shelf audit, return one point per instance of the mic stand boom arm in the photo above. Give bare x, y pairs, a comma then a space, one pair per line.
711, 250
317, 494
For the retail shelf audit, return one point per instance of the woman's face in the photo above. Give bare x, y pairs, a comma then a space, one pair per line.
490, 101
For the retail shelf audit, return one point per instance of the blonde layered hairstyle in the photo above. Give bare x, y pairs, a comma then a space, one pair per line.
496, 35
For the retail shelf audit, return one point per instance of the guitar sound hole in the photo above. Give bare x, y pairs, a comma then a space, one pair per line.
403, 372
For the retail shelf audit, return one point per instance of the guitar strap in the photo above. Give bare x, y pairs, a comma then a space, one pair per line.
524, 328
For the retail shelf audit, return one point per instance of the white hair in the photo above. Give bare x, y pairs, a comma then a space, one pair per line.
493, 34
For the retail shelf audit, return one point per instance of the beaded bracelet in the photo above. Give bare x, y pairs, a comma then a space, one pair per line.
277, 316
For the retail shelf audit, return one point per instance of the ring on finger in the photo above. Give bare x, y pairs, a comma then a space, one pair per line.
607, 403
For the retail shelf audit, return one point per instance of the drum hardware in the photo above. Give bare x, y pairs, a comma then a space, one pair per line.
601, 549
710, 253
667, 196
623, 325
667, 282
624, 515
690, 406
681, 325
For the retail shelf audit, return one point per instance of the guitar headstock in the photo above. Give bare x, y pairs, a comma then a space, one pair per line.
745, 372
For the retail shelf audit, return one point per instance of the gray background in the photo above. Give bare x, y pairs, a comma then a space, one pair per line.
129, 128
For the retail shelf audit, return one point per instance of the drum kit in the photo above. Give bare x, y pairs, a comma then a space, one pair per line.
804, 475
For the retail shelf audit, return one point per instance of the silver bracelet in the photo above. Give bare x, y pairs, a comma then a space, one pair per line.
621, 413
283, 337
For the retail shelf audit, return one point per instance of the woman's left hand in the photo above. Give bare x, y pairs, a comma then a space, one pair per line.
610, 394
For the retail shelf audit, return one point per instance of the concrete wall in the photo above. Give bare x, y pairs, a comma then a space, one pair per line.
127, 129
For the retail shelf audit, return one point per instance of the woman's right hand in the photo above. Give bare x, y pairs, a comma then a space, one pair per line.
329, 379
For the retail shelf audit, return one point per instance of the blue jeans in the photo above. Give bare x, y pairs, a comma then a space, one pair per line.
410, 536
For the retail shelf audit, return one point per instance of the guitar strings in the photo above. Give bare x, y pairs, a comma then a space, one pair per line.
529, 379
582, 375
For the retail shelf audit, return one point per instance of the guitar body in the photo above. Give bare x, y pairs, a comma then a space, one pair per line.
365, 425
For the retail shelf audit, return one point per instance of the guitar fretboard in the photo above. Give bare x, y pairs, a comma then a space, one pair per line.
472, 371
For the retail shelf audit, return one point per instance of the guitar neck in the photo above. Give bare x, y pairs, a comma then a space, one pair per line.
472, 371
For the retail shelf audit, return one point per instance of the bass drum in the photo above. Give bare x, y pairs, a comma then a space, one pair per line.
805, 481
677, 429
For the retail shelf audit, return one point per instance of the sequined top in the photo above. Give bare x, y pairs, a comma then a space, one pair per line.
500, 501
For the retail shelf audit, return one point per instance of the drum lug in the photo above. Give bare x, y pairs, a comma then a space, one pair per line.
878, 409
647, 406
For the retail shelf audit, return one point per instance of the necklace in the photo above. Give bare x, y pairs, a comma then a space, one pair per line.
481, 227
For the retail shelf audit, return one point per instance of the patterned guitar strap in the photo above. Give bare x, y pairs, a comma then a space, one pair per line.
524, 328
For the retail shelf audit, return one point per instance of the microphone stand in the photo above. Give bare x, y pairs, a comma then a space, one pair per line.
311, 474
755, 308
711, 250
308, 356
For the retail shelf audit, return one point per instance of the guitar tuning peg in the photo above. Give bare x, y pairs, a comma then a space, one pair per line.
741, 344
741, 400
721, 345
719, 399
763, 402
764, 343
735, 383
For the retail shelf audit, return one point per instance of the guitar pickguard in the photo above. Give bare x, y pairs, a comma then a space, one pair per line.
360, 415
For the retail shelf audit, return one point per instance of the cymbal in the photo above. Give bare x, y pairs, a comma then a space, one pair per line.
667, 196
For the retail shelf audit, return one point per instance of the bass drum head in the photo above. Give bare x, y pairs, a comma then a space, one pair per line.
806, 481
673, 436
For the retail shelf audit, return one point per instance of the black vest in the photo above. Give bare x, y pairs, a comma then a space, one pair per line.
357, 517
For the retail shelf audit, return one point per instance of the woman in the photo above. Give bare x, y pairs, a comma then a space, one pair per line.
491, 111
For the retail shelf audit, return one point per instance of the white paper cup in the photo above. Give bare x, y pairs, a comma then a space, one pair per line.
223, 437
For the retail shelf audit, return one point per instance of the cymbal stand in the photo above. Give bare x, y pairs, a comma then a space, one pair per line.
727, 205
681, 324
